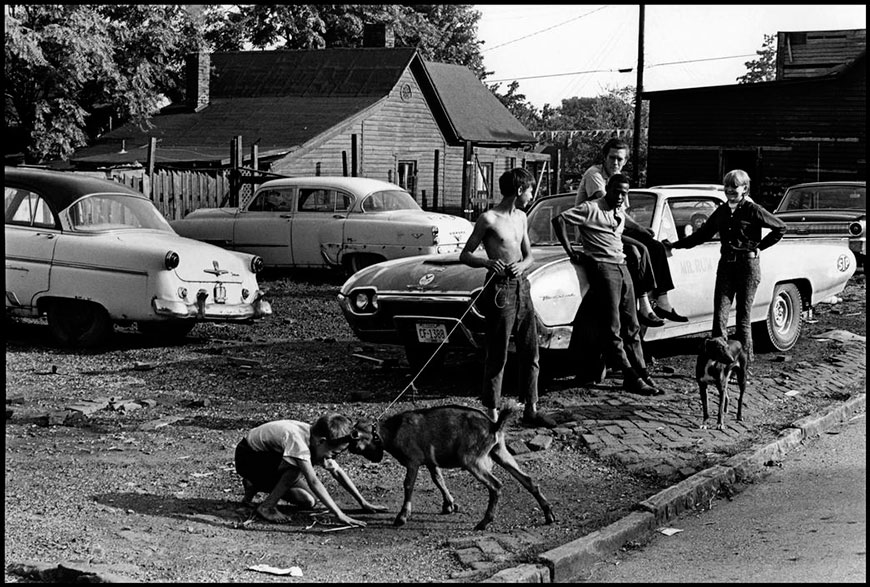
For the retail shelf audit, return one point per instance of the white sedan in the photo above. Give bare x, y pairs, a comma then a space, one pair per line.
421, 302
341, 222
89, 253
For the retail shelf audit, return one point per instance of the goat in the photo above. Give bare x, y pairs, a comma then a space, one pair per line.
446, 437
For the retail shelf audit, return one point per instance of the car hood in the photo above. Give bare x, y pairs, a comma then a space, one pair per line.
436, 273
209, 213
147, 249
820, 215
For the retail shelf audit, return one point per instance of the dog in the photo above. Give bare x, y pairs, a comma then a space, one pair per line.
716, 361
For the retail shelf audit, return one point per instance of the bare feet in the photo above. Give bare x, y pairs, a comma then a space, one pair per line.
272, 514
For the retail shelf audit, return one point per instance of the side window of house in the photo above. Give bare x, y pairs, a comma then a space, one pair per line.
484, 181
273, 200
406, 176
316, 200
26, 208
689, 214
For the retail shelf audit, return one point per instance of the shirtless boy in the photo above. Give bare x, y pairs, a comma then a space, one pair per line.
506, 301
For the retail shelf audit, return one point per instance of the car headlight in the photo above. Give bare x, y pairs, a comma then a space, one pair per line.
257, 264
856, 228
364, 301
435, 235
171, 260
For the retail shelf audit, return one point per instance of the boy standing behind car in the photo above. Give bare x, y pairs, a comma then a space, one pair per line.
505, 300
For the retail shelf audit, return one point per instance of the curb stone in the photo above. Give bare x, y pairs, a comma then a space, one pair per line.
568, 562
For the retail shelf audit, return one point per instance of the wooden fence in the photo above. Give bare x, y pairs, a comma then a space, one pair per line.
178, 192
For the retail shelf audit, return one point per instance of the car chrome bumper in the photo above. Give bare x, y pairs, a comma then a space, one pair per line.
202, 310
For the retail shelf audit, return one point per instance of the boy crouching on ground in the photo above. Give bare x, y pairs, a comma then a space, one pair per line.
279, 457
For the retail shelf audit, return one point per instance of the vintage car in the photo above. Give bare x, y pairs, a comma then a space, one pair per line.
341, 222
420, 302
828, 208
89, 253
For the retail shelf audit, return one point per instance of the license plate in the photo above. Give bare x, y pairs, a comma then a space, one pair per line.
431, 332
220, 294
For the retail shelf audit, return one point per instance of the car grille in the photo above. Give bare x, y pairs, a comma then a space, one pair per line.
453, 307
827, 228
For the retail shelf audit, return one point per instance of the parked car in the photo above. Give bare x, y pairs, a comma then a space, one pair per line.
340, 222
828, 208
89, 253
422, 301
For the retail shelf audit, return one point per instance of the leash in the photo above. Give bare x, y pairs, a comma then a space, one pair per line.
438, 348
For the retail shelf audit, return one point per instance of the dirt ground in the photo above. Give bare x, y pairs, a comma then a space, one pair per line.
139, 482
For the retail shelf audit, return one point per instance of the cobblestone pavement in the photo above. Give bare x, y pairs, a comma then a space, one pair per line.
661, 436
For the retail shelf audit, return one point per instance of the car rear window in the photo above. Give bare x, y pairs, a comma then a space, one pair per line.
826, 198
26, 208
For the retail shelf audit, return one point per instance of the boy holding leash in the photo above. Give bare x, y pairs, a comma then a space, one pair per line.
506, 300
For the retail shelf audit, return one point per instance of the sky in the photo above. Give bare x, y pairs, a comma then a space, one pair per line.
567, 50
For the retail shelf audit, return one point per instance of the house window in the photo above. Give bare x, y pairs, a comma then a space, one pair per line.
406, 176
484, 180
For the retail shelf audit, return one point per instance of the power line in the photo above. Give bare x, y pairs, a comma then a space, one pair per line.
544, 30
619, 70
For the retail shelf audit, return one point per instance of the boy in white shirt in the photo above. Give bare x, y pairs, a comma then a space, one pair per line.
279, 457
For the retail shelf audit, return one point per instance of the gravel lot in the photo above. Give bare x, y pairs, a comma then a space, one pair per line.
147, 490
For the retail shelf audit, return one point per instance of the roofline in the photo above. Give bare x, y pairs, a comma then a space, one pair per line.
835, 72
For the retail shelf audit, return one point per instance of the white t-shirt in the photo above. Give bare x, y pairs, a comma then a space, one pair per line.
288, 437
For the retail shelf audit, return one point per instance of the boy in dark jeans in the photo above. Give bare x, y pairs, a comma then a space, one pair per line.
506, 301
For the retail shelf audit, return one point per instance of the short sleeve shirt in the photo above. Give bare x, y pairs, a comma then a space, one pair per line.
600, 230
288, 437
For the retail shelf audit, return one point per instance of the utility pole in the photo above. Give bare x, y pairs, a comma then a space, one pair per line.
638, 104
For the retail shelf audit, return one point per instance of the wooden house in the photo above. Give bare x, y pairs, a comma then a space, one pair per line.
807, 125
379, 112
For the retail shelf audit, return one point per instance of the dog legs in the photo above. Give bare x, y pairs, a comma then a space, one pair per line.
722, 384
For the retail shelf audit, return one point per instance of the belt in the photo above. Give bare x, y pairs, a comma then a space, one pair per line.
739, 255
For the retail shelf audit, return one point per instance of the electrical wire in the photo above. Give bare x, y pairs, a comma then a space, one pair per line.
543, 30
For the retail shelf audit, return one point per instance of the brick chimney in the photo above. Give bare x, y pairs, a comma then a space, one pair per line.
198, 69
378, 35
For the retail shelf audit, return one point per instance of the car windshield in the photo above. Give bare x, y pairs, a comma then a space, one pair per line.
101, 212
389, 201
541, 215
833, 197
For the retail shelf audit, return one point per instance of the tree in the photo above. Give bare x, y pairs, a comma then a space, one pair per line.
441, 32
65, 63
762, 69
517, 104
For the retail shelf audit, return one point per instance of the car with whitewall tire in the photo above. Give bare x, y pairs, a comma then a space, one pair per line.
428, 303
88, 253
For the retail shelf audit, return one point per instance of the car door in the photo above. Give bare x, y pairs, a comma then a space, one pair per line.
318, 226
264, 227
32, 232
693, 270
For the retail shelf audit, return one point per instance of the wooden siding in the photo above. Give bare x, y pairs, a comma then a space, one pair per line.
813, 53
811, 130
396, 130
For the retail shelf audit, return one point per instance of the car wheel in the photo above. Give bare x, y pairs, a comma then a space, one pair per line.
418, 356
782, 327
354, 263
77, 323
166, 331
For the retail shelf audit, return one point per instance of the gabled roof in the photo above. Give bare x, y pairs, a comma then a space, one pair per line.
283, 99
475, 113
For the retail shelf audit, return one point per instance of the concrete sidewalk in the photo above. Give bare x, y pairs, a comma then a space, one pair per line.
661, 436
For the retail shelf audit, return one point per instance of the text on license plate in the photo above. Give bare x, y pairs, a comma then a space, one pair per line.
431, 332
